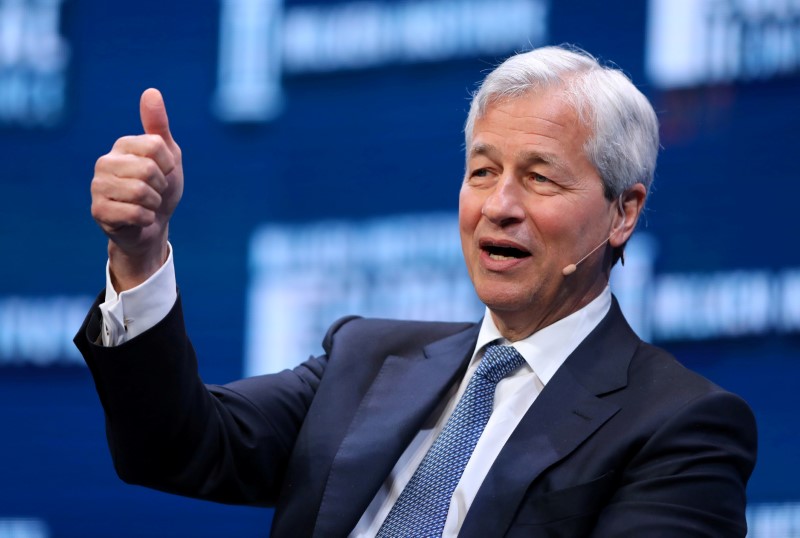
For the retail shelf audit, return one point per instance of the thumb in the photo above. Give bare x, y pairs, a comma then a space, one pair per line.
154, 114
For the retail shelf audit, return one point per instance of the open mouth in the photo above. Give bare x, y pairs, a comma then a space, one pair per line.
497, 252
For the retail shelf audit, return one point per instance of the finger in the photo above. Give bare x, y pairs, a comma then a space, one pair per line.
153, 113
148, 145
125, 165
112, 215
127, 190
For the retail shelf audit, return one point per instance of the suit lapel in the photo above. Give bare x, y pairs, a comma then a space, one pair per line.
403, 395
557, 422
566, 413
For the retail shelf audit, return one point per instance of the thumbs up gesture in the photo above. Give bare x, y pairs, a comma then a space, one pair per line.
135, 190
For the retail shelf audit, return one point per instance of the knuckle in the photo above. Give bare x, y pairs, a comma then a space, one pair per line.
103, 162
101, 214
99, 185
151, 170
152, 200
152, 143
159, 184
143, 144
139, 190
144, 216
120, 143
96, 212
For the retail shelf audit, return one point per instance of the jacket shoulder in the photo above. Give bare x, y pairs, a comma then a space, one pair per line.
397, 337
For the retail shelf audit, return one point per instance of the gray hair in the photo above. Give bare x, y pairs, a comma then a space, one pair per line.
624, 143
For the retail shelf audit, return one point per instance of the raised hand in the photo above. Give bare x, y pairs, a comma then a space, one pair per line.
135, 190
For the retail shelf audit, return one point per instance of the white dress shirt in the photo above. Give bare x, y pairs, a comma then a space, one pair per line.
544, 352
132, 312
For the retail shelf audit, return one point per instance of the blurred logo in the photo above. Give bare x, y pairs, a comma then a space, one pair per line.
38, 331
304, 277
260, 40
23, 528
33, 61
694, 42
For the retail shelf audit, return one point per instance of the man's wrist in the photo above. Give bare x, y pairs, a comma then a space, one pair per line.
130, 270
129, 313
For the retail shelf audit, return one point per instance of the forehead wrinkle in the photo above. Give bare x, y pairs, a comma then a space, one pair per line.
558, 117
526, 156
554, 115
549, 123
534, 156
482, 148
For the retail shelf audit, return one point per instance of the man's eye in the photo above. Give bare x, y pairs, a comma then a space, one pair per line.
539, 178
480, 172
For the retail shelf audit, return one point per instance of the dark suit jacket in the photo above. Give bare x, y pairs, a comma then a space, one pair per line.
623, 441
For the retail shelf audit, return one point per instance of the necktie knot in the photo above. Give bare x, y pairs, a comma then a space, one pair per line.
499, 361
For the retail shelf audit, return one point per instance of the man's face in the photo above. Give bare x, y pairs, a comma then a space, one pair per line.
531, 204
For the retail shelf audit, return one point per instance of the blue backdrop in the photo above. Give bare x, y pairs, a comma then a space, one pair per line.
363, 138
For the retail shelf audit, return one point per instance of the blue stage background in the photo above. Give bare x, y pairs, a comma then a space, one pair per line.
358, 144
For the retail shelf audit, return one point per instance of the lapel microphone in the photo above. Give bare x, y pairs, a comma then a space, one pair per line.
571, 268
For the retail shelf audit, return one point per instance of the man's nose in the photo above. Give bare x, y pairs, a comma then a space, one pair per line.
503, 206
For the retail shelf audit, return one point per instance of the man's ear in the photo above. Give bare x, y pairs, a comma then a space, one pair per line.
629, 207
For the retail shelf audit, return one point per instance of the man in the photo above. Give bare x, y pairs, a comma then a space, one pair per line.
407, 428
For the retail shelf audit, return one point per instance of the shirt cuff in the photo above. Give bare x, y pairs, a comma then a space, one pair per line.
128, 314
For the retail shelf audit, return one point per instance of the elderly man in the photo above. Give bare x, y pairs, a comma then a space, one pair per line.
550, 417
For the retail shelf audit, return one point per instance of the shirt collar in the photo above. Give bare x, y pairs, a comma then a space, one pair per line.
547, 349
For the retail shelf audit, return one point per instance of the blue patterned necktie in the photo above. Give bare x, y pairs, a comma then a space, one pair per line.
421, 510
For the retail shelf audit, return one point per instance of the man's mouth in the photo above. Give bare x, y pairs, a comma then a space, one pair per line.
497, 252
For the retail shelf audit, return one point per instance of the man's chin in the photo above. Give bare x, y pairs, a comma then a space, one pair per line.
506, 304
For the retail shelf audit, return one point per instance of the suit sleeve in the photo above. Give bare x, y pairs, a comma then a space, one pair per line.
689, 479
168, 431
